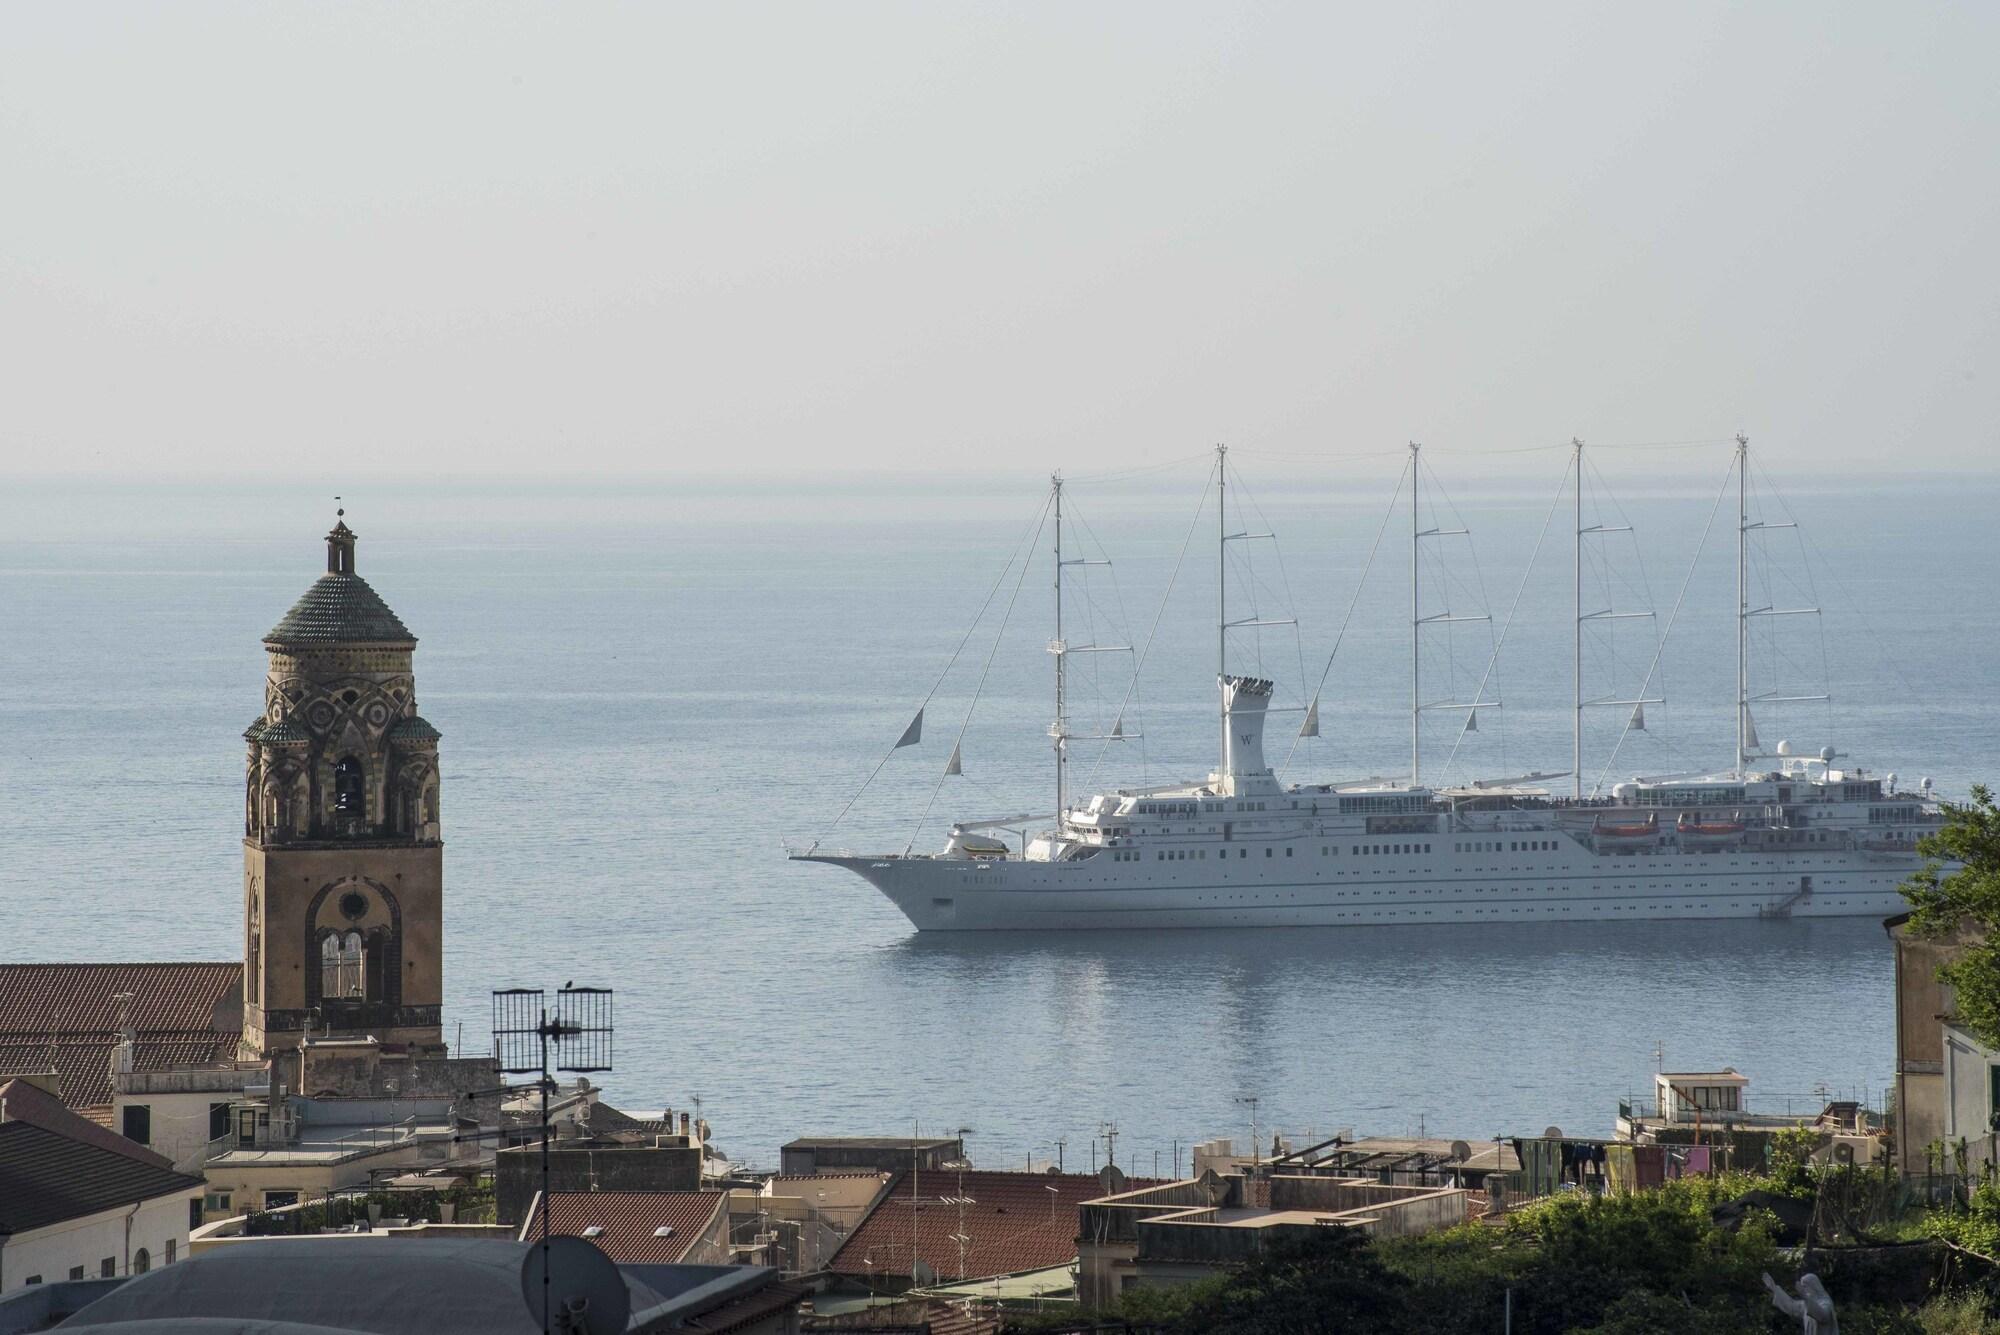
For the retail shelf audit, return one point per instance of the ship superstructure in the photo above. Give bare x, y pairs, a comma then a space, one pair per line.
1777, 835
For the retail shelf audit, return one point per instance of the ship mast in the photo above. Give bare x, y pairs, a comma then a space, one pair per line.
1059, 730
1742, 602
1222, 609
1576, 660
1416, 626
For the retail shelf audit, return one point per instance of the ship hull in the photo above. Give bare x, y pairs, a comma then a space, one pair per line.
1565, 886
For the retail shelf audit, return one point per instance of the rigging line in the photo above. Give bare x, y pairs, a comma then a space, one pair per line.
1284, 580
1124, 625
998, 636
1265, 452
1359, 584
1021, 550
1139, 468
1810, 550
1478, 589
1672, 616
1139, 664
1480, 693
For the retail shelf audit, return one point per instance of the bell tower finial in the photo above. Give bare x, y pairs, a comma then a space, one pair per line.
340, 543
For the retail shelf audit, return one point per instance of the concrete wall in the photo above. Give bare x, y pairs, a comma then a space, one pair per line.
116, 1234
628, 1168
180, 1123
1921, 1002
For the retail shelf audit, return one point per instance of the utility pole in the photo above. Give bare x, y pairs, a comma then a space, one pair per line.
1060, 1142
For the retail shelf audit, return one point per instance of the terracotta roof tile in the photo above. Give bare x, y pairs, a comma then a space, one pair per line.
751, 1308
629, 1219
1015, 1223
62, 1017
41, 999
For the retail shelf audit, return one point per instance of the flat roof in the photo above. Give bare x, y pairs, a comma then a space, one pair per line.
1727, 1077
870, 1142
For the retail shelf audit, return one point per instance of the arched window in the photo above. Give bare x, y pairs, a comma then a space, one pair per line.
142, 1261
349, 799
350, 967
329, 965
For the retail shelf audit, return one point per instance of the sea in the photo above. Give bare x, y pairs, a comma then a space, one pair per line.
646, 687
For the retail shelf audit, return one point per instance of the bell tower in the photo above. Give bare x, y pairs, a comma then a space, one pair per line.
343, 862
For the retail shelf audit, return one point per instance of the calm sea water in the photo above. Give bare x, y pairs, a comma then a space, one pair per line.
643, 689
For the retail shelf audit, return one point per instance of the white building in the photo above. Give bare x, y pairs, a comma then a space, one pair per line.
78, 1201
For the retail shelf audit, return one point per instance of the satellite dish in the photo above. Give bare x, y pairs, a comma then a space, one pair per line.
1112, 1179
924, 1274
1552, 1133
585, 1291
1460, 1151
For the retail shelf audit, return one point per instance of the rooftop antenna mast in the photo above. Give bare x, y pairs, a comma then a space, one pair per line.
523, 1029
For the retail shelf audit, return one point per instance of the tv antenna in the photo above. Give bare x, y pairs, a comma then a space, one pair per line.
580, 1029
1255, 1153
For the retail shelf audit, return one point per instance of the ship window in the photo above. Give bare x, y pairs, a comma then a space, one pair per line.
1288, 850
1267, 852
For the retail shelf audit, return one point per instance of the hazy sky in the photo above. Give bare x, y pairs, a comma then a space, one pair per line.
378, 240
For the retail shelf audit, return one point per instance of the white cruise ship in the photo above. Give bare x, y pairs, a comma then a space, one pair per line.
1777, 835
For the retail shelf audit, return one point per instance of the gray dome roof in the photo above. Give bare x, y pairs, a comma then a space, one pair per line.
285, 732
340, 609
255, 730
413, 731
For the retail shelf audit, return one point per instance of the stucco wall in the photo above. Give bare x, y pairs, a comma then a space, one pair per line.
53, 1251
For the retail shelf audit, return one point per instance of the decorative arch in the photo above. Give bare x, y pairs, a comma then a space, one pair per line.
375, 955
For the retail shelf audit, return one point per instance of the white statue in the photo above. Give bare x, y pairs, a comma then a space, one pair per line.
1812, 1307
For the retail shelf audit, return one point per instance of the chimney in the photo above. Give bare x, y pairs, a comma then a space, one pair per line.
686, 1129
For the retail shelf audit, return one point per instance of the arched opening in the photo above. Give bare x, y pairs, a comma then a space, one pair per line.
142, 1261
343, 967
349, 796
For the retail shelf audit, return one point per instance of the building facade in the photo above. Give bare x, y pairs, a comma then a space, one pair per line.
343, 859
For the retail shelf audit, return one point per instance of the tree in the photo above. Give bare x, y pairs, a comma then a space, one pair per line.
1965, 900
1328, 1283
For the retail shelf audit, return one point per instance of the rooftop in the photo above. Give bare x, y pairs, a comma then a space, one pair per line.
340, 609
872, 1143
398, 1287
64, 1017
1013, 1222
632, 1222
49, 1176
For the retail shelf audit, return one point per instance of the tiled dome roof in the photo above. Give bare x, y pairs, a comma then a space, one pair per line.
256, 729
285, 732
413, 731
340, 609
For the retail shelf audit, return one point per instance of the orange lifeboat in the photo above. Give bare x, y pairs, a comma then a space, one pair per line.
1700, 832
1611, 830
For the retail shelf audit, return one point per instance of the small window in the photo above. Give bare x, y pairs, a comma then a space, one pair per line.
32, 1279
76, 1272
108, 1268
218, 1120
169, 1257
142, 1261
138, 1123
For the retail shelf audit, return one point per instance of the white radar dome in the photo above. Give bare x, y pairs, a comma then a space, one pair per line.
1826, 753
1784, 748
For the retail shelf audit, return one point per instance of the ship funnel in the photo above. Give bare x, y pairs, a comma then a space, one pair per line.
1244, 700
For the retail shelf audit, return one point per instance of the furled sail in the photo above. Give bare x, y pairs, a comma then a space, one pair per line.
912, 734
953, 766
